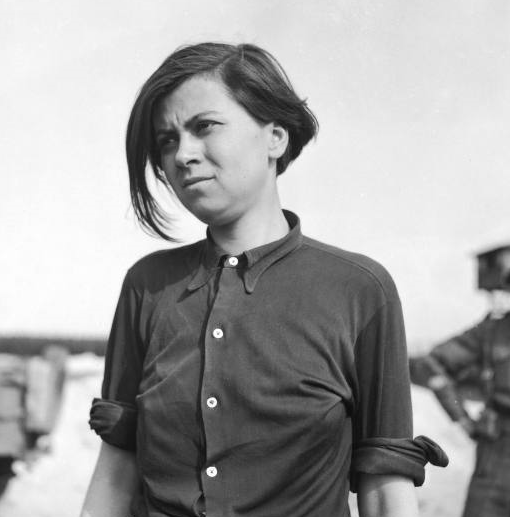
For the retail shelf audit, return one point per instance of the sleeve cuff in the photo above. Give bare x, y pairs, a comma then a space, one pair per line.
114, 422
396, 456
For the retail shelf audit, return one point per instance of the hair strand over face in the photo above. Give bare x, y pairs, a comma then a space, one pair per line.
255, 80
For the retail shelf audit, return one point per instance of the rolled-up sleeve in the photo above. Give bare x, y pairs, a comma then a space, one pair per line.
382, 424
397, 456
114, 422
113, 416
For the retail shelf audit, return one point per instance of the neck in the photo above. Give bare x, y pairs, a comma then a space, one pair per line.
251, 231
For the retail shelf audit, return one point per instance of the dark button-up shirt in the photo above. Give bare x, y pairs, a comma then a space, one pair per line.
244, 383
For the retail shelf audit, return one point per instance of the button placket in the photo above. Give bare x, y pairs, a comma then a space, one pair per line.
214, 391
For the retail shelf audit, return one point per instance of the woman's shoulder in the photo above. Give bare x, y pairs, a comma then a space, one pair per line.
355, 267
159, 265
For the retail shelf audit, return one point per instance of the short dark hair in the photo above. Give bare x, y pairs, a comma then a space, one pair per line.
255, 80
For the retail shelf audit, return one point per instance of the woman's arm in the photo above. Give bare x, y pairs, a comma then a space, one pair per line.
386, 496
113, 483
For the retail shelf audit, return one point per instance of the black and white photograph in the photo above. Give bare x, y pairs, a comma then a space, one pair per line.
255, 258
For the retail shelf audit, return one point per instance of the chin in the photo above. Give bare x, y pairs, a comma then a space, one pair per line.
213, 216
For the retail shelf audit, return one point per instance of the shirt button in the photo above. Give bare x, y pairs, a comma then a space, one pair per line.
217, 333
233, 261
212, 402
211, 472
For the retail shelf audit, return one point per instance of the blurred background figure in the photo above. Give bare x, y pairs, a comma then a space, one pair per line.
31, 388
475, 365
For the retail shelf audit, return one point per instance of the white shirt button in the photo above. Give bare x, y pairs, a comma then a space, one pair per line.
217, 333
211, 472
212, 402
233, 261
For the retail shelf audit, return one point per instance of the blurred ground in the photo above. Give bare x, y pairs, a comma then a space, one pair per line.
56, 483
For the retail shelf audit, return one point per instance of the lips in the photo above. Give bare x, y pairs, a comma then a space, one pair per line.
189, 182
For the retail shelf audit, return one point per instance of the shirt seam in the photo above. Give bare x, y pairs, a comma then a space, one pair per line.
355, 264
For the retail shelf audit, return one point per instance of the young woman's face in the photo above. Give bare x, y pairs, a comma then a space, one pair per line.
219, 160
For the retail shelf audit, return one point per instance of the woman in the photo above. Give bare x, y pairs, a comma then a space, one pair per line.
243, 370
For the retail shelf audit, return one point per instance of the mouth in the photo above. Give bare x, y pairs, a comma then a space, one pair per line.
190, 182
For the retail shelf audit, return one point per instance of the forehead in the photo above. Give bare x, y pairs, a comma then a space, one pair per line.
198, 94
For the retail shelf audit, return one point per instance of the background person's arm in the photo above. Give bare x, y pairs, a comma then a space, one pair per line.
386, 496
113, 483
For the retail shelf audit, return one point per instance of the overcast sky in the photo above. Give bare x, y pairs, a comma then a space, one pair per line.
411, 165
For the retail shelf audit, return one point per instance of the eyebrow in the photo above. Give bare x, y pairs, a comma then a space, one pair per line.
187, 123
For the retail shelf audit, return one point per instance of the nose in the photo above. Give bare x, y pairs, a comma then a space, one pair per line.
188, 151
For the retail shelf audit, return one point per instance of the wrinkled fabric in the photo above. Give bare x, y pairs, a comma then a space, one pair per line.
114, 422
401, 456
253, 377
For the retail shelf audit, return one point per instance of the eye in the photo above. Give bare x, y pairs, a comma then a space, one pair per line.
204, 126
167, 142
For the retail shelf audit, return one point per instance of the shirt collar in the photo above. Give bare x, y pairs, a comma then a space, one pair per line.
253, 262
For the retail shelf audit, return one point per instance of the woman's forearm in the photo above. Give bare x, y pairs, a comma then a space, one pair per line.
386, 496
113, 483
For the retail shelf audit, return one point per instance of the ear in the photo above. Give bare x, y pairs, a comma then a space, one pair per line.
278, 140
